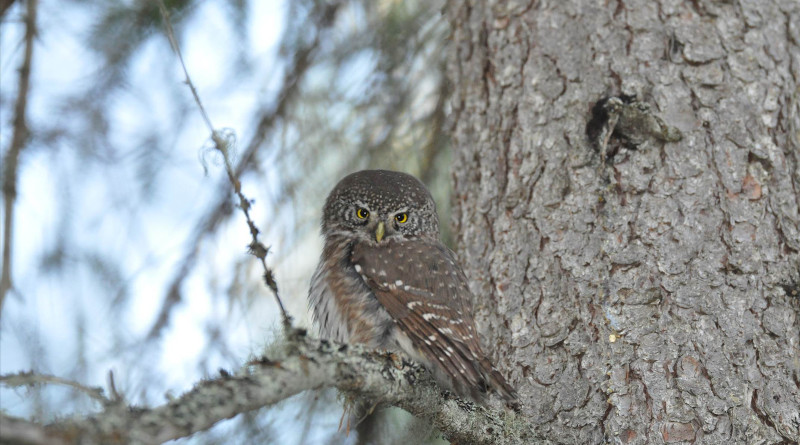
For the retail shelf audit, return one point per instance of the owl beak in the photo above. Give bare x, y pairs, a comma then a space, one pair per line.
379, 231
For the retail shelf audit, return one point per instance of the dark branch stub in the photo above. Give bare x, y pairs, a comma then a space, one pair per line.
628, 121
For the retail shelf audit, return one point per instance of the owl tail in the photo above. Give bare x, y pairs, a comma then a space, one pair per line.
498, 383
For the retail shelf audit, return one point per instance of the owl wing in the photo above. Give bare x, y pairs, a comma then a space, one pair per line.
425, 291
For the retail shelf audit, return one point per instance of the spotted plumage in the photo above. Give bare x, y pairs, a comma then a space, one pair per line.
386, 281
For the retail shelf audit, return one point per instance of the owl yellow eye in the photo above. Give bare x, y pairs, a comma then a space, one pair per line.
362, 213
401, 217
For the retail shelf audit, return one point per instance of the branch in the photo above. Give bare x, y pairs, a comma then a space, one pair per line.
303, 364
30, 379
18, 140
14, 430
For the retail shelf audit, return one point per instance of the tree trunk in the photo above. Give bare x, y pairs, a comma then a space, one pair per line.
651, 297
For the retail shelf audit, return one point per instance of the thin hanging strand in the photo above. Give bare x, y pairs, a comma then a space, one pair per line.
222, 144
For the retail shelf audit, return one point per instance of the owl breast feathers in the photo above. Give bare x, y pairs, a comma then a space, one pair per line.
386, 281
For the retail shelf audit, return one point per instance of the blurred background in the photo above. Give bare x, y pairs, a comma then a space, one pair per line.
127, 251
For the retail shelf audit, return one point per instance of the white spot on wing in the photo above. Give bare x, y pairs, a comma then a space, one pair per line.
411, 304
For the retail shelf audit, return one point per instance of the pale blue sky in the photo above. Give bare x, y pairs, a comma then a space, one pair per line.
109, 218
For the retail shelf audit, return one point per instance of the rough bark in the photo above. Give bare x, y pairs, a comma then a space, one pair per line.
653, 298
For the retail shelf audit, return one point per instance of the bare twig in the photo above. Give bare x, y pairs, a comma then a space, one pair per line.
30, 379
174, 43
305, 364
294, 72
223, 142
112, 388
18, 141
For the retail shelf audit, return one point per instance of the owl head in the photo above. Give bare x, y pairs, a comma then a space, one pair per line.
379, 206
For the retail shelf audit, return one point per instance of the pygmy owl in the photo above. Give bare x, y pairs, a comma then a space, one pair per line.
386, 281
